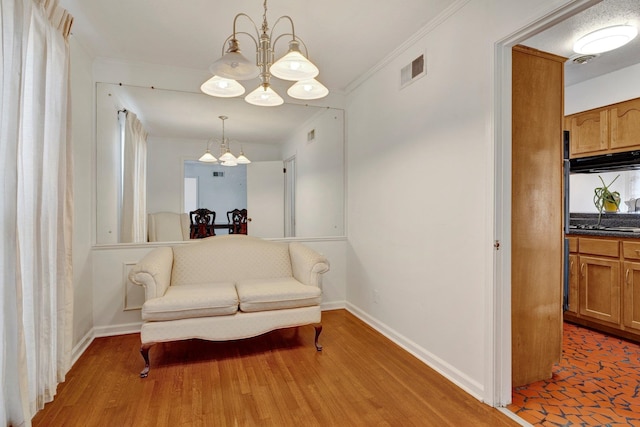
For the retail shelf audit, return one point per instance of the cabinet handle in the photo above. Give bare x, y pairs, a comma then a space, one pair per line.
637, 251
626, 276
582, 269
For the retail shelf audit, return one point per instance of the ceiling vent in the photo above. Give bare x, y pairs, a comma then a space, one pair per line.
413, 71
583, 59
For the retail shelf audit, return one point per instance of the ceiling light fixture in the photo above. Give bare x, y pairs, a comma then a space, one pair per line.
605, 39
293, 66
226, 157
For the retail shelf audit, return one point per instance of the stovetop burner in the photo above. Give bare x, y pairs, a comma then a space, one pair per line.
587, 226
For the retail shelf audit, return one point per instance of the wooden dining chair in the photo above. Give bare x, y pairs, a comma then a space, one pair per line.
202, 221
237, 219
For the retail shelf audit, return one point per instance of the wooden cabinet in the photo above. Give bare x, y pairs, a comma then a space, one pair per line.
631, 286
631, 296
573, 283
599, 279
572, 269
599, 289
610, 129
624, 125
604, 284
589, 132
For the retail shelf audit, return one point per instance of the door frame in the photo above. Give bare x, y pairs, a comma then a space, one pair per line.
499, 374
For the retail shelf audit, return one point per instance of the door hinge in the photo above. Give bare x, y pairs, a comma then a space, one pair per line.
496, 245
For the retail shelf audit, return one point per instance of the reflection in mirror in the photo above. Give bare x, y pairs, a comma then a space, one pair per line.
282, 200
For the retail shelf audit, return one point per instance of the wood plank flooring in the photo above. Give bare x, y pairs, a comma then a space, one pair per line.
278, 379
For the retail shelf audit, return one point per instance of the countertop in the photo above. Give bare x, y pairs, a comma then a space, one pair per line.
603, 233
631, 220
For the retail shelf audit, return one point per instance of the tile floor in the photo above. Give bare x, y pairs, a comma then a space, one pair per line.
597, 383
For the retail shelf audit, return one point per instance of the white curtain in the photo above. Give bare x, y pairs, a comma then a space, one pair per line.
133, 220
36, 216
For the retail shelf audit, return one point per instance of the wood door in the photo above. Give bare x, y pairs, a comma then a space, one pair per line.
631, 296
624, 122
600, 289
589, 132
536, 222
265, 199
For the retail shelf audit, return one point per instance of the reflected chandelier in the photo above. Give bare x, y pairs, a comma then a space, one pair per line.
226, 157
293, 66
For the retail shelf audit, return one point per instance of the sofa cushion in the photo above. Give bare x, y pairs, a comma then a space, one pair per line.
229, 258
275, 294
197, 300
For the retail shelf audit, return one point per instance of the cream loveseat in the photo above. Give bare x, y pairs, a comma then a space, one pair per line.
226, 288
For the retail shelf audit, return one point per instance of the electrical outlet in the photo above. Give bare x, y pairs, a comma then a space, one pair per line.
376, 296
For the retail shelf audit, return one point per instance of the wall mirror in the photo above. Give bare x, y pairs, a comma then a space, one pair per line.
307, 141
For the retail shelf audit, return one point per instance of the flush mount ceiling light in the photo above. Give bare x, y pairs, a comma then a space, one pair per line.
605, 39
226, 157
293, 66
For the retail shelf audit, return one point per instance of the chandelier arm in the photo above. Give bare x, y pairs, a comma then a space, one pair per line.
255, 27
293, 30
232, 36
306, 51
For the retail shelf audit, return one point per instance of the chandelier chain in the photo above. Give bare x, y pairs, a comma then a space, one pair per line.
265, 27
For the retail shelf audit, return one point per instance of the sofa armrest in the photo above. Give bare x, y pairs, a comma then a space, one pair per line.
153, 272
307, 264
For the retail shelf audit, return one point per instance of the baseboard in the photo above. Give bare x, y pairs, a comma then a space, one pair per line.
460, 379
109, 331
81, 347
335, 305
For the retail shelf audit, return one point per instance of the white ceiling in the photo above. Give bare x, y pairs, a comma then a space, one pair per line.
345, 38
560, 38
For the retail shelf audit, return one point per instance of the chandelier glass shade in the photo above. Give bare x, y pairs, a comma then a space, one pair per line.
234, 66
219, 86
226, 157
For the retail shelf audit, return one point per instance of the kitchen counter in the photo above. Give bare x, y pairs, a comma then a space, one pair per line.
620, 225
603, 233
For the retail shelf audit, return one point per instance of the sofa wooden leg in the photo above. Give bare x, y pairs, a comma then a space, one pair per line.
144, 350
318, 331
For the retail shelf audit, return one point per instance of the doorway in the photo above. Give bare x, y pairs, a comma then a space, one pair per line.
502, 360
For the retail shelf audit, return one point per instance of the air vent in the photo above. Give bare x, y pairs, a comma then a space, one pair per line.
413, 71
218, 174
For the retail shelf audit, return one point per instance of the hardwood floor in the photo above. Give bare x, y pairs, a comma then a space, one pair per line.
278, 379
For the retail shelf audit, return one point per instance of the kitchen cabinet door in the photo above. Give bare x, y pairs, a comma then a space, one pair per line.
599, 292
573, 284
631, 296
589, 132
624, 123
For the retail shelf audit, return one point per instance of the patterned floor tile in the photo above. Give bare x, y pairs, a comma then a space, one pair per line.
597, 383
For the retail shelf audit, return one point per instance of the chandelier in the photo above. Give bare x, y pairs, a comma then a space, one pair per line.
293, 66
226, 157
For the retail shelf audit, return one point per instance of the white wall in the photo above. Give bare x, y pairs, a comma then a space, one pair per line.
421, 192
82, 132
608, 89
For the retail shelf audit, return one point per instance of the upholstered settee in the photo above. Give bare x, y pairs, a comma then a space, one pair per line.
226, 288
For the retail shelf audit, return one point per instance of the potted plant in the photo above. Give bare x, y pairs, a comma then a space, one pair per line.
605, 199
